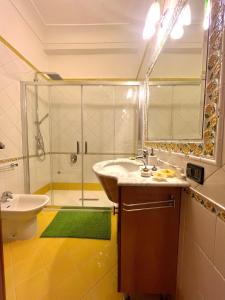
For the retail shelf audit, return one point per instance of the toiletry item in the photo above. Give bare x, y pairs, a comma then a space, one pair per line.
145, 172
167, 172
152, 159
158, 176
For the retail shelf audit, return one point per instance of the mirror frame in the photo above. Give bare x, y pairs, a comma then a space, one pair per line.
210, 148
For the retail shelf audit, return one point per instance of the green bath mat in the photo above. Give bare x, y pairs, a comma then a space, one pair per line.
80, 224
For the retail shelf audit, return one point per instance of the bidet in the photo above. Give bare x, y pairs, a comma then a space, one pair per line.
19, 215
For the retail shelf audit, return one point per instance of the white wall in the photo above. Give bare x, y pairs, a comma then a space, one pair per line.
96, 65
12, 71
16, 29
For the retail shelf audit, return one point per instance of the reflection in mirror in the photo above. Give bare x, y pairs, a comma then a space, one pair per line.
177, 83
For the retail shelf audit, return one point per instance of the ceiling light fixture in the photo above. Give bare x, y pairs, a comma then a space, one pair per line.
184, 19
148, 32
153, 16
207, 15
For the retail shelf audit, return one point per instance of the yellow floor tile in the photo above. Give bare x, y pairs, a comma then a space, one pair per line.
34, 288
61, 268
27, 268
106, 289
9, 282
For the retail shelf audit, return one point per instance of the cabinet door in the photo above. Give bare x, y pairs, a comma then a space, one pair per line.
148, 239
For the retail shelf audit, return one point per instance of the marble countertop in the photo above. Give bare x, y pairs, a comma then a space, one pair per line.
128, 173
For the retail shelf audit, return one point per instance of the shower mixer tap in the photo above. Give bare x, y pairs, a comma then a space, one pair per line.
73, 158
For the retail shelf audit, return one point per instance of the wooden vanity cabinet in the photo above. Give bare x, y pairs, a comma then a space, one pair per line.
148, 233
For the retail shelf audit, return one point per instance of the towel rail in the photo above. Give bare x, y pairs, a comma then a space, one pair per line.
8, 167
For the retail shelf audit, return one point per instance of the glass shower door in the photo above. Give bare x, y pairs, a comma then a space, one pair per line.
98, 107
66, 145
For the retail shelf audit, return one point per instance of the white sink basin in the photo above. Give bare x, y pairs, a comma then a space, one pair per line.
109, 171
119, 167
112, 173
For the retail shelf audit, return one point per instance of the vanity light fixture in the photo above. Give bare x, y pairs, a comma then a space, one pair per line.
207, 14
177, 32
184, 19
153, 16
185, 16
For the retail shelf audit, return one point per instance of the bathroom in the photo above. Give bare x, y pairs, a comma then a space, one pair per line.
112, 150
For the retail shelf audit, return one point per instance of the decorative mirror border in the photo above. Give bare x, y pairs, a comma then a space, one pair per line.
210, 148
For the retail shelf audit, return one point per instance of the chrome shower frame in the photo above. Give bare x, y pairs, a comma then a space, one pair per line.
35, 84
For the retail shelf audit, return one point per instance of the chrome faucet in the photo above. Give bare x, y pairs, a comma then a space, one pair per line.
144, 158
5, 196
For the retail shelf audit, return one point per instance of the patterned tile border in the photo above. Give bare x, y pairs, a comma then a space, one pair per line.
11, 159
207, 148
207, 203
7, 160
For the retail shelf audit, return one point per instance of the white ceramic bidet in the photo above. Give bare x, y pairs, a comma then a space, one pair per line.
19, 215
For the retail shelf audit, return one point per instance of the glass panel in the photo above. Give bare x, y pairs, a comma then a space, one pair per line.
66, 145
126, 106
160, 116
98, 134
174, 112
38, 138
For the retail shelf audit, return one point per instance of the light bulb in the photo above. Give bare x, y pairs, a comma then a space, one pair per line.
148, 32
207, 16
153, 16
185, 15
154, 13
177, 31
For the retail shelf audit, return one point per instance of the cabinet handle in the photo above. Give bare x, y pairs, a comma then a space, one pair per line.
78, 147
85, 147
150, 208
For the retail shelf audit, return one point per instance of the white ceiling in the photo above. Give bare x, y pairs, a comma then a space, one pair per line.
89, 12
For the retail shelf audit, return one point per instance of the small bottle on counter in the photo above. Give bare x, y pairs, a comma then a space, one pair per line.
152, 158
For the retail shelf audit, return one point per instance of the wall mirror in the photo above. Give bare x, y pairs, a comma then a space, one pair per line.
176, 85
184, 108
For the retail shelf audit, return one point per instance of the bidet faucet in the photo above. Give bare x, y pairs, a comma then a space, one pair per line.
6, 195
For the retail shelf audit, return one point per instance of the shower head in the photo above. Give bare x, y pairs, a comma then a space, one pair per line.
51, 75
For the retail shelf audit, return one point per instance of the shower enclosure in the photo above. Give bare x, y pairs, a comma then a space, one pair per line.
75, 126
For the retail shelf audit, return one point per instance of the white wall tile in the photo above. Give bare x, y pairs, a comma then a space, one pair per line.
201, 225
219, 254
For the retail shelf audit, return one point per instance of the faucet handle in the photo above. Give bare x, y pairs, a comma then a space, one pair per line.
144, 152
7, 194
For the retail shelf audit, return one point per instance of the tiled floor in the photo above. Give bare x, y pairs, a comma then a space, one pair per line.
61, 268
72, 198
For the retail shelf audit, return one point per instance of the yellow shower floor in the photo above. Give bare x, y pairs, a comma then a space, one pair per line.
72, 198
61, 268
